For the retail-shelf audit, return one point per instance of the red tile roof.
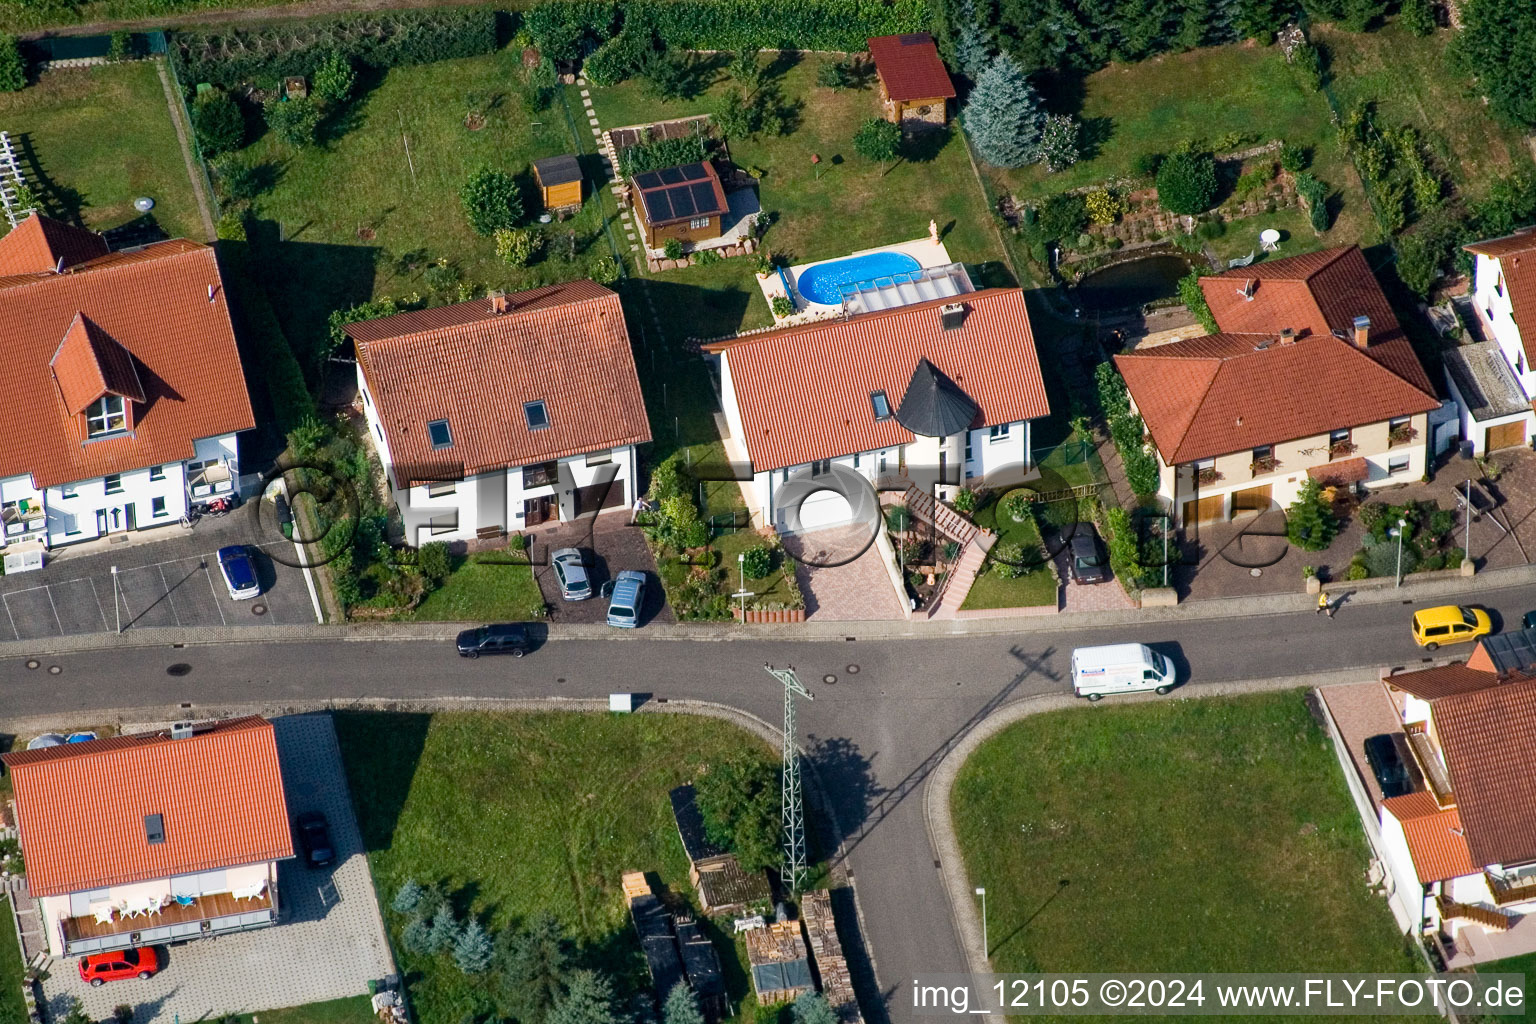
(1516, 254)
(910, 68)
(153, 304)
(1489, 740)
(1436, 841)
(37, 244)
(1209, 396)
(803, 392)
(565, 345)
(81, 806)
(1442, 681)
(90, 363)
(1344, 471)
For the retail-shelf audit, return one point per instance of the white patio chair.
(250, 892)
(104, 912)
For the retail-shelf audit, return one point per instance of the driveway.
(841, 575)
(328, 944)
(608, 545)
(168, 578)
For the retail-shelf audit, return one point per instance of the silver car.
(574, 584)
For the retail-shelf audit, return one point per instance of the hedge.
(569, 29)
(233, 56)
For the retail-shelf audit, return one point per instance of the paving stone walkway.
(858, 589)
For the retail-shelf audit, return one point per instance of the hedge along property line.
(231, 56)
(571, 29)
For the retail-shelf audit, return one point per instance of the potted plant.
(1339, 449)
(1267, 464)
(1208, 475)
(1402, 435)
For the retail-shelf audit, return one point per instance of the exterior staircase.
(973, 555)
(1492, 920)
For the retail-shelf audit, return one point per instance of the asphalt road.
(875, 734)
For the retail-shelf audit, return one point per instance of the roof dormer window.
(536, 415)
(881, 403)
(439, 434)
(106, 415)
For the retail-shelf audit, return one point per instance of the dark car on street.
(1087, 561)
(506, 638)
(1529, 622)
(1387, 764)
(315, 837)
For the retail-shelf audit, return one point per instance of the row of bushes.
(568, 30)
(1127, 430)
(235, 55)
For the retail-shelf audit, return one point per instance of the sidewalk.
(1447, 588)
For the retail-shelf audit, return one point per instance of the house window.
(157, 472)
(541, 474)
(68, 492)
(698, 222)
(1398, 421)
(821, 467)
(366, 400)
(114, 483)
(855, 460)
(881, 404)
(377, 432)
(970, 455)
(1520, 362)
(882, 462)
(1205, 464)
(444, 523)
(1397, 464)
(442, 488)
(1498, 284)
(1337, 436)
(105, 416)
(157, 507)
(1262, 452)
(439, 434)
(601, 458)
(536, 415)
(998, 433)
(154, 829)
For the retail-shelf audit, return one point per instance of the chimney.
(181, 730)
(951, 315)
(1288, 336)
(1362, 332)
(499, 303)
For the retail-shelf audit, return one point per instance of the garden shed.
(559, 179)
(914, 84)
(685, 202)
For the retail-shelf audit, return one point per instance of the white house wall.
(1498, 314)
(1399, 864)
(1476, 431)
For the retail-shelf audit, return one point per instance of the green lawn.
(1149, 107)
(819, 211)
(91, 140)
(1525, 965)
(483, 589)
(341, 215)
(1064, 465)
(11, 1005)
(1036, 587)
(1176, 835)
(356, 1010)
(1406, 77)
(521, 813)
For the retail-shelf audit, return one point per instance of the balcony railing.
(1511, 890)
(208, 915)
(1430, 765)
(1493, 920)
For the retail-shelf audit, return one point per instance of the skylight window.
(441, 436)
(881, 404)
(536, 415)
(154, 829)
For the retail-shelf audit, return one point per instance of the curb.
(897, 629)
(936, 798)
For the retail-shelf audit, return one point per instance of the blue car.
(628, 598)
(239, 572)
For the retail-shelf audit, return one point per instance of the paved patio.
(1362, 710)
(330, 939)
(841, 575)
(1219, 558)
(608, 544)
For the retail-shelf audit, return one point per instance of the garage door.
(821, 509)
(1252, 499)
(599, 496)
(1205, 510)
(1506, 435)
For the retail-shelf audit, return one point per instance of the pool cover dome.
(934, 405)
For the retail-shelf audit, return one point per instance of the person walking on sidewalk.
(1322, 603)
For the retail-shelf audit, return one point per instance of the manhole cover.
(829, 679)
(853, 670)
(54, 670)
(258, 609)
(33, 663)
(1255, 572)
(181, 668)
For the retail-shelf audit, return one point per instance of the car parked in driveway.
(1087, 563)
(315, 837)
(628, 599)
(1389, 766)
(575, 585)
(505, 638)
(142, 963)
(239, 572)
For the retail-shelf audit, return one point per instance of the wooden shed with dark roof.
(686, 202)
(914, 84)
(559, 179)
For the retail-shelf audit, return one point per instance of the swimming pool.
(823, 283)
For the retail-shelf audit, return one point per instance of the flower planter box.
(756, 615)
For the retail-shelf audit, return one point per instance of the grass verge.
(1192, 835)
(12, 1007)
(483, 589)
(356, 1010)
(1036, 587)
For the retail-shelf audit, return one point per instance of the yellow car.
(1449, 624)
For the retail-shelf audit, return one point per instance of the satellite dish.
(143, 204)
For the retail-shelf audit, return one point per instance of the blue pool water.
(823, 282)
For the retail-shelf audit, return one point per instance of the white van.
(1119, 668)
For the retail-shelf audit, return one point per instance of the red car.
(99, 968)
